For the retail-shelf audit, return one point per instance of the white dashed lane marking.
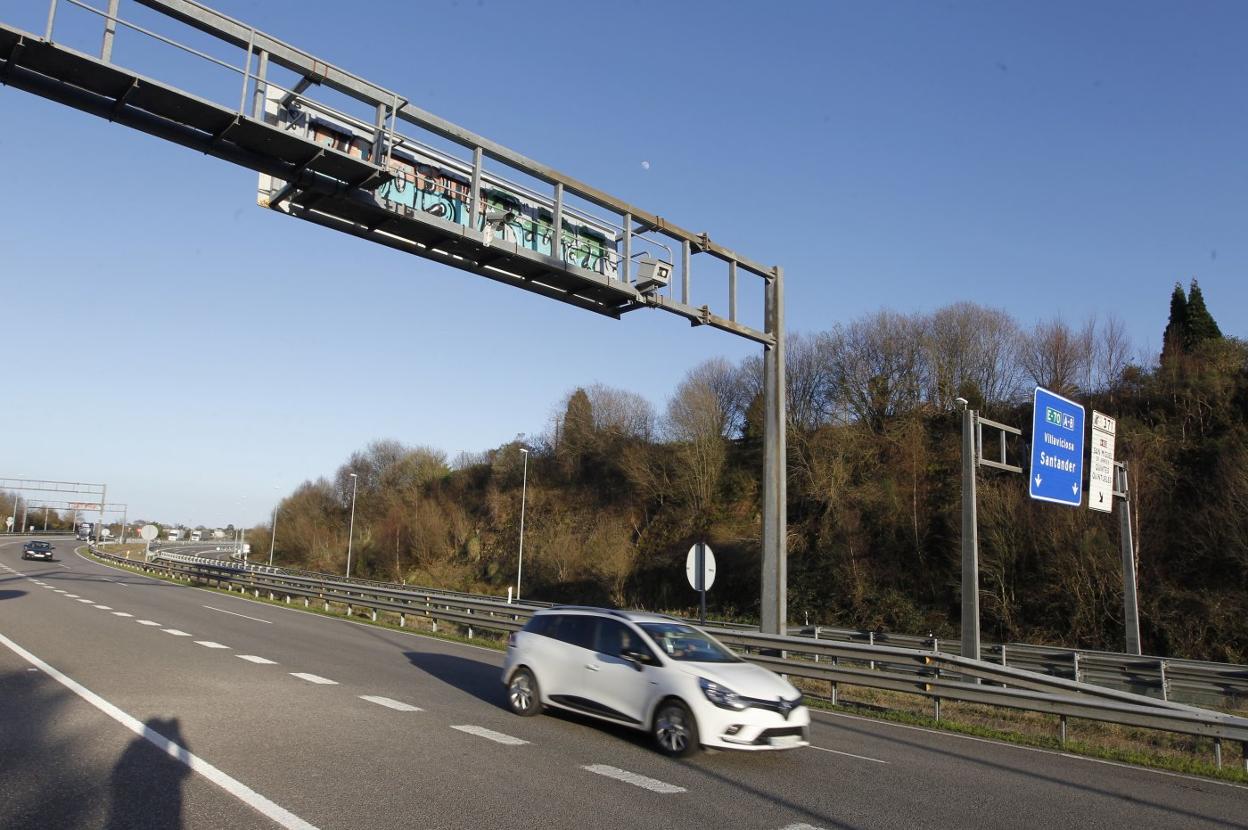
(175, 632)
(848, 755)
(58, 590)
(87, 600)
(70, 596)
(146, 622)
(314, 678)
(251, 658)
(390, 704)
(122, 614)
(209, 644)
(652, 784)
(104, 607)
(234, 614)
(482, 732)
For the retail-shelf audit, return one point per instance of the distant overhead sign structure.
(1056, 449)
(1101, 469)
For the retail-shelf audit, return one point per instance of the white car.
(653, 673)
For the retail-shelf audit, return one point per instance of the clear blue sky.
(204, 356)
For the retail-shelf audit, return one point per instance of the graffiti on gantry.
(418, 186)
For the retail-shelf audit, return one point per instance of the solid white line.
(175, 632)
(497, 737)
(652, 784)
(209, 644)
(314, 678)
(146, 622)
(122, 614)
(174, 750)
(251, 658)
(104, 607)
(848, 754)
(244, 616)
(390, 704)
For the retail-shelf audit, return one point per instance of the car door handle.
(592, 666)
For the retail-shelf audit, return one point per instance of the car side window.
(576, 629)
(543, 625)
(615, 638)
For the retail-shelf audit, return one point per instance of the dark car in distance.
(37, 550)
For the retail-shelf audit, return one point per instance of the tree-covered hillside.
(617, 492)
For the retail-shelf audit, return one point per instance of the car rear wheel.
(523, 696)
(675, 731)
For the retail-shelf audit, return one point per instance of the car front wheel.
(523, 696)
(675, 731)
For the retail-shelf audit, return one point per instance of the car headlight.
(721, 696)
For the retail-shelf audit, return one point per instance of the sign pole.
(1130, 602)
(970, 540)
(701, 583)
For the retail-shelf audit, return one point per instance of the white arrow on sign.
(1038, 480)
(1074, 488)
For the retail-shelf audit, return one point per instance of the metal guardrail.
(935, 675)
(1167, 679)
(1190, 681)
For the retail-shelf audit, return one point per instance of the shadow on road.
(146, 784)
(12, 594)
(476, 678)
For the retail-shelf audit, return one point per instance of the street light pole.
(355, 480)
(524, 485)
(273, 538)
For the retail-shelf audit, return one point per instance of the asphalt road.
(298, 720)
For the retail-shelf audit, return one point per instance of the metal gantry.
(20, 485)
(339, 188)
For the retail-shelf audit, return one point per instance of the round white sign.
(149, 532)
(708, 567)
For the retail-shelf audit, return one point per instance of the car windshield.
(684, 642)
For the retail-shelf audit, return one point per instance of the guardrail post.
(1074, 656)
(1217, 752)
(1165, 692)
(402, 620)
(1003, 654)
(374, 615)
(936, 700)
(1062, 731)
(816, 637)
(871, 641)
(1243, 751)
(435, 625)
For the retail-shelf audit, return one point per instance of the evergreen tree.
(1200, 323)
(1175, 336)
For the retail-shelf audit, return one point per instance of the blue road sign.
(1056, 449)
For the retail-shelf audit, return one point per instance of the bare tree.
(696, 423)
(621, 413)
(877, 364)
(1113, 352)
(971, 352)
(1057, 356)
(809, 381)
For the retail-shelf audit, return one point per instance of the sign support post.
(972, 458)
(1130, 601)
